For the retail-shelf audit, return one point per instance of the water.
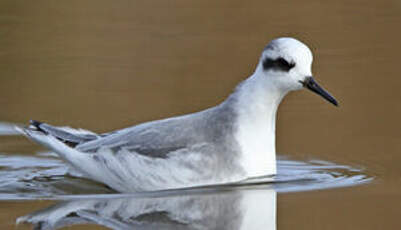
(43, 176)
(47, 177)
(102, 66)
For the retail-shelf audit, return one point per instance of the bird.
(228, 143)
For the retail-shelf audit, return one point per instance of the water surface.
(100, 65)
(250, 204)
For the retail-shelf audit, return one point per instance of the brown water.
(103, 65)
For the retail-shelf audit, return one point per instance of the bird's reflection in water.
(229, 209)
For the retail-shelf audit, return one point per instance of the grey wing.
(212, 129)
(186, 151)
(153, 139)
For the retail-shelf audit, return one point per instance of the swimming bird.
(230, 142)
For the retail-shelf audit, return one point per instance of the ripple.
(7, 129)
(229, 206)
(45, 176)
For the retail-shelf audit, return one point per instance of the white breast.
(257, 143)
(257, 106)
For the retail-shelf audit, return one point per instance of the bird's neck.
(256, 103)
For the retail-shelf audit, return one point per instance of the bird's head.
(287, 63)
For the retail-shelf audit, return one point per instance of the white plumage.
(227, 143)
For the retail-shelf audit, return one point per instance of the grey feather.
(159, 138)
(66, 134)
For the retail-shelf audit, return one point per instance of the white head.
(287, 64)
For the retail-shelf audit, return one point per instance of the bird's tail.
(62, 140)
(67, 135)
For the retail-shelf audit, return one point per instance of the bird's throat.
(257, 103)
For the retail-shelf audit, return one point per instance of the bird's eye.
(279, 64)
(284, 64)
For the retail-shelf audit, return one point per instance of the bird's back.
(213, 126)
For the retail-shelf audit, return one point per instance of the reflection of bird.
(229, 142)
(231, 210)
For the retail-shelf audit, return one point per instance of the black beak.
(311, 84)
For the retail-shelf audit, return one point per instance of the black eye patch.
(279, 64)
